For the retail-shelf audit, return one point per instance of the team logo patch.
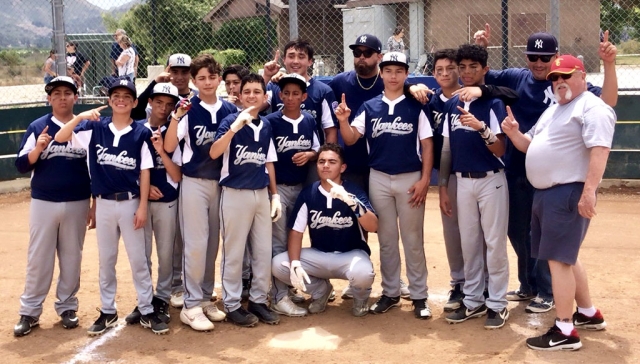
(334, 105)
(538, 43)
(337, 221)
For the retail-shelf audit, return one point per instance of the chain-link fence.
(248, 32)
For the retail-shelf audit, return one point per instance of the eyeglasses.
(565, 76)
(68, 45)
(536, 57)
(359, 52)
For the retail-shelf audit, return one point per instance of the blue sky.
(106, 4)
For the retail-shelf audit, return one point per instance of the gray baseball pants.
(161, 223)
(178, 248)
(200, 226)
(354, 266)
(288, 197)
(112, 219)
(483, 216)
(54, 227)
(390, 199)
(451, 232)
(245, 217)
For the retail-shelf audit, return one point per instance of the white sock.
(565, 327)
(589, 312)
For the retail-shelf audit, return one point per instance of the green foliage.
(258, 42)
(10, 58)
(227, 57)
(621, 21)
(631, 46)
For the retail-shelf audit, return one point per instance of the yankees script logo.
(284, 144)
(119, 161)
(456, 124)
(336, 221)
(203, 136)
(313, 113)
(437, 119)
(396, 127)
(159, 163)
(243, 156)
(63, 150)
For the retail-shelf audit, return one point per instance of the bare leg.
(563, 284)
(583, 297)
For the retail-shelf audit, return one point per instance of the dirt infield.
(610, 254)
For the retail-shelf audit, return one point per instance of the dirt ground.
(609, 254)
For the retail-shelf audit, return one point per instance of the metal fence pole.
(554, 11)
(57, 7)
(505, 34)
(293, 19)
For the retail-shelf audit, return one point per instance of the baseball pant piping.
(161, 223)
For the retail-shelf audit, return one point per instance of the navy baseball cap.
(369, 41)
(394, 59)
(61, 81)
(293, 78)
(542, 44)
(124, 83)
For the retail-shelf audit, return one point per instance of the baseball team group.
(519, 154)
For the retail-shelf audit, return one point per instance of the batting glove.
(338, 192)
(243, 119)
(298, 276)
(181, 109)
(276, 208)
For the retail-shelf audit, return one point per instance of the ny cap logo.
(363, 39)
(124, 83)
(180, 60)
(538, 43)
(166, 89)
(393, 57)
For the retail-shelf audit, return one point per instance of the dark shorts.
(557, 229)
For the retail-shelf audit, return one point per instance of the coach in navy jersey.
(162, 219)
(536, 96)
(245, 142)
(60, 191)
(199, 199)
(336, 212)
(398, 135)
(298, 57)
(119, 162)
(472, 130)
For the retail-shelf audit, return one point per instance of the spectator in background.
(48, 67)
(126, 60)
(395, 43)
(77, 61)
(116, 49)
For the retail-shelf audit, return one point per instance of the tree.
(621, 18)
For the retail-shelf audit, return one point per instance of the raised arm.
(607, 52)
(66, 132)
(349, 134)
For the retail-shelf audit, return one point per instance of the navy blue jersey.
(333, 226)
(436, 104)
(393, 130)
(198, 130)
(159, 176)
(116, 157)
(244, 160)
(60, 173)
(469, 152)
(290, 137)
(535, 97)
(320, 103)
(348, 83)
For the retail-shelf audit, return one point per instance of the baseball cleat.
(463, 314)
(212, 312)
(134, 317)
(161, 308)
(496, 319)
(296, 297)
(177, 299)
(360, 307)
(404, 290)
(23, 327)
(347, 293)
(242, 318)
(596, 322)
(455, 298)
(554, 340)
(384, 304)
(320, 304)
(246, 286)
(540, 305)
(69, 319)
(153, 322)
(104, 321)
(421, 310)
(263, 313)
(286, 307)
(518, 295)
(195, 318)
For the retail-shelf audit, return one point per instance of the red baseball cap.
(566, 64)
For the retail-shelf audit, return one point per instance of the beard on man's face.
(363, 69)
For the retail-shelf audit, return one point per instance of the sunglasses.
(359, 52)
(536, 57)
(555, 77)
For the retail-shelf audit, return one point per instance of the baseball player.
(579, 128)
(195, 122)
(472, 147)
(445, 69)
(536, 95)
(298, 57)
(245, 142)
(60, 191)
(398, 135)
(119, 162)
(162, 218)
(336, 212)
